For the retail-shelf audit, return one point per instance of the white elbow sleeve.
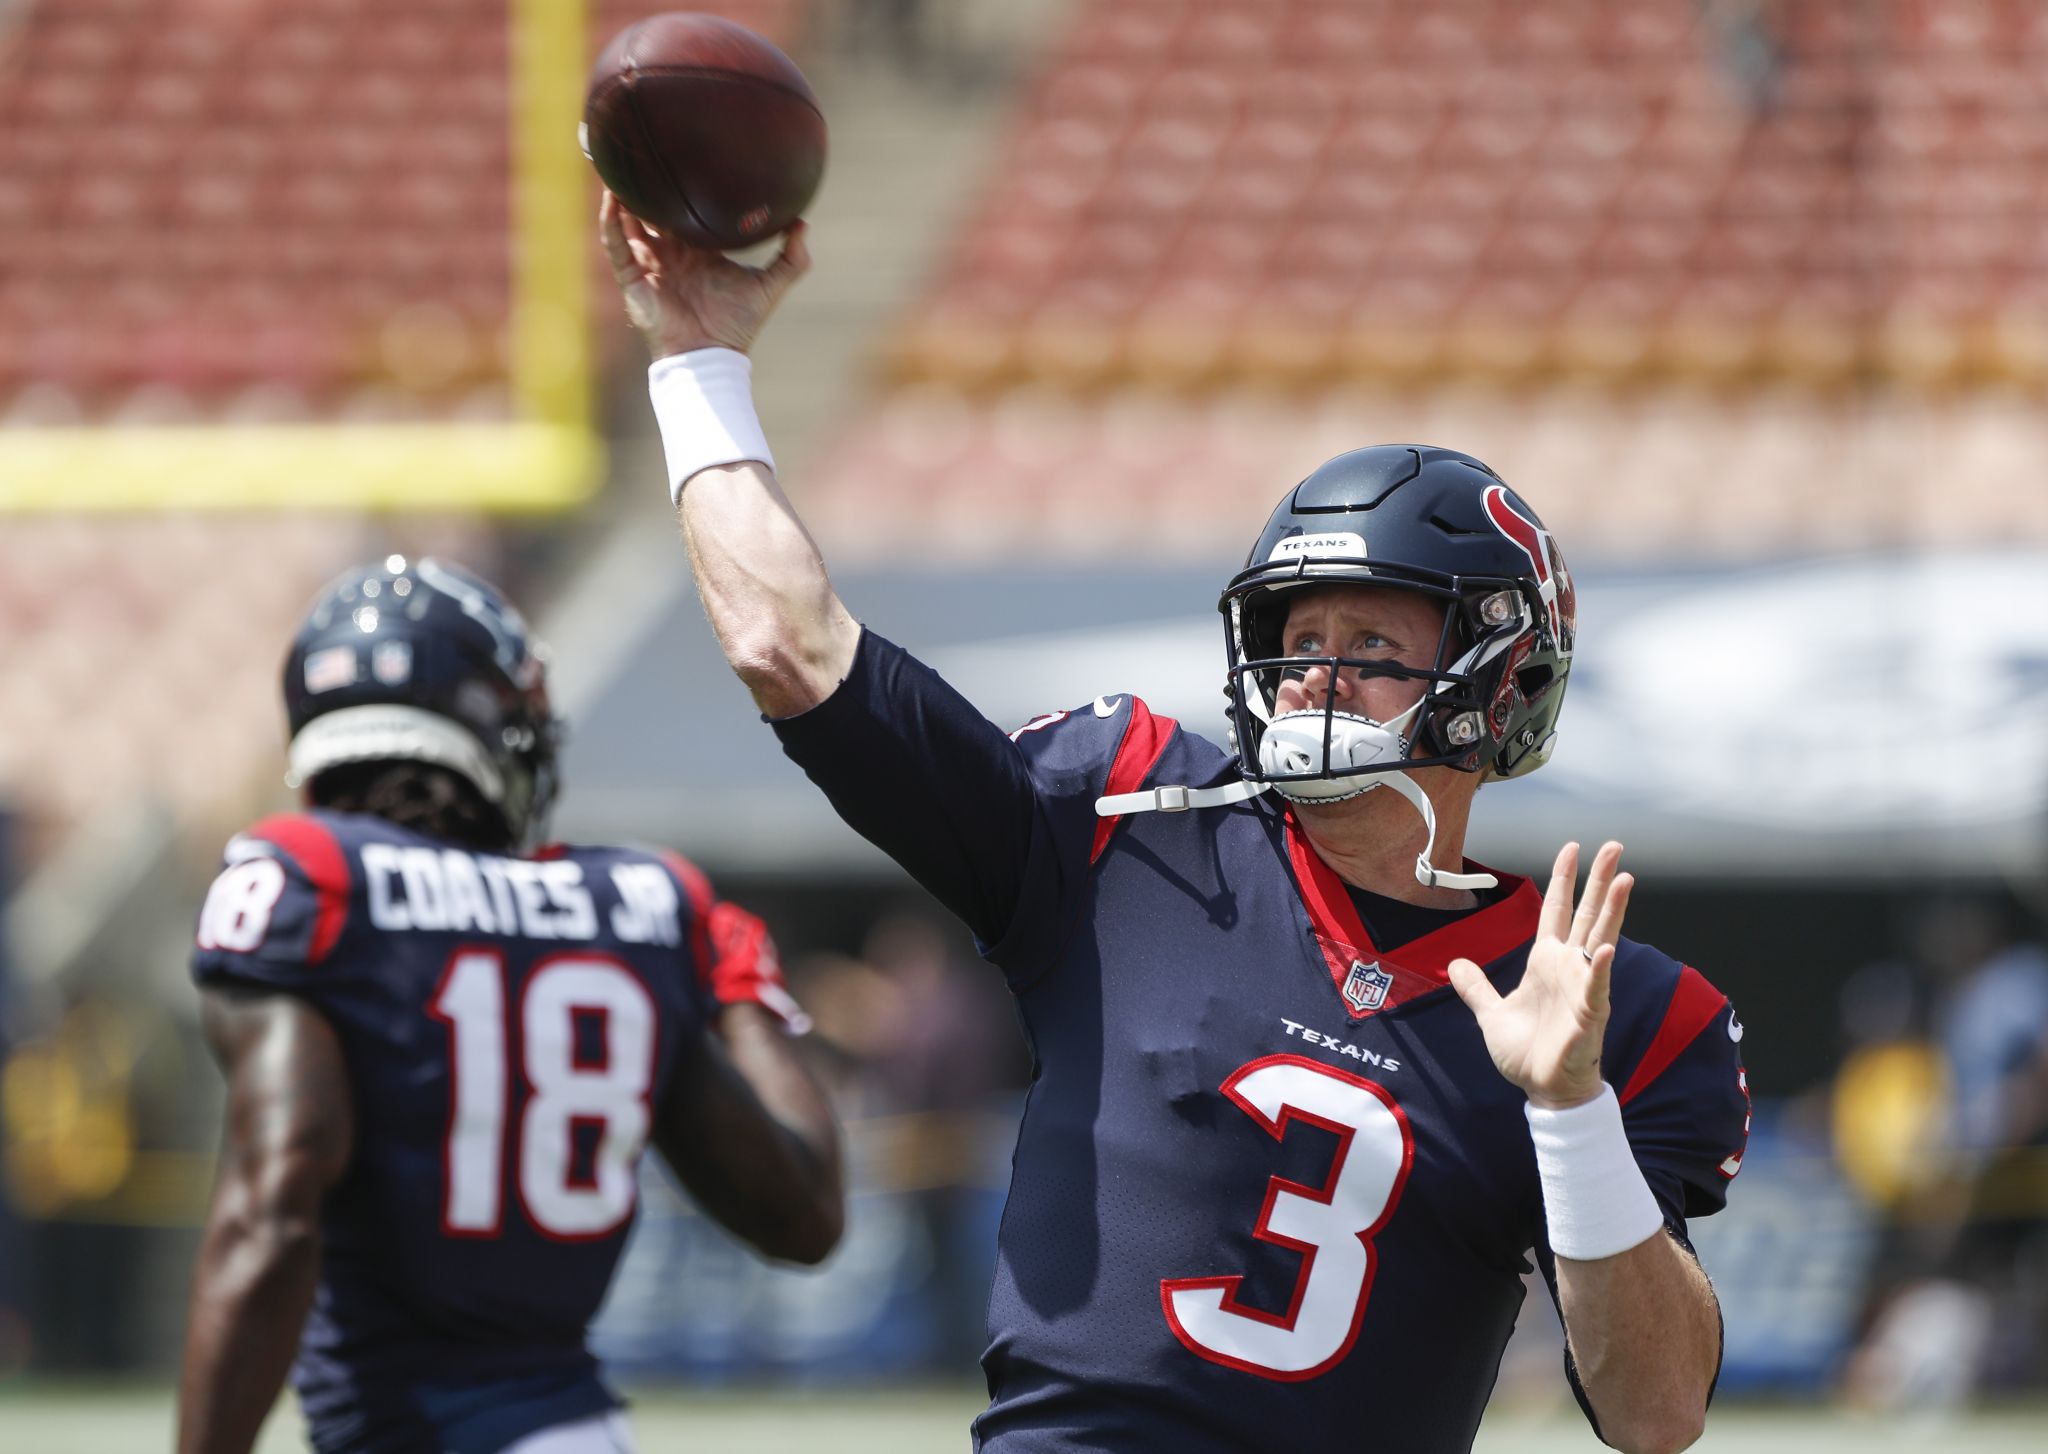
(1595, 1201)
(704, 403)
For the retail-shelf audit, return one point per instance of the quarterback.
(446, 1050)
(1312, 1090)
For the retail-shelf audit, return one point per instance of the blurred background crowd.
(1748, 297)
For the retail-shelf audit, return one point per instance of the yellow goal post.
(546, 457)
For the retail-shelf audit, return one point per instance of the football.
(704, 130)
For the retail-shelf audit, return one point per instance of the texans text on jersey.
(1342, 1047)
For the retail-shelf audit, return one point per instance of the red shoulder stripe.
(319, 856)
(1694, 1004)
(1145, 739)
(698, 888)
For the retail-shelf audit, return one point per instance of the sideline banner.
(1807, 718)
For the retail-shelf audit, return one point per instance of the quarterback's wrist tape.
(704, 403)
(1595, 1201)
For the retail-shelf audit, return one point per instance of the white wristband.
(1595, 1200)
(704, 403)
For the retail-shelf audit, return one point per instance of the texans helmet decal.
(1560, 599)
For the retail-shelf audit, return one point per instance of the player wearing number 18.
(446, 1050)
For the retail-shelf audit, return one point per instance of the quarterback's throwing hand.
(682, 297)
(1545, 1036)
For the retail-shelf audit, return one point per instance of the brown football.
(704, 129)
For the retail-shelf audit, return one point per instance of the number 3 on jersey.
(1332, 1226)
(565, 1092)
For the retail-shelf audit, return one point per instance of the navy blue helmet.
(1435, 522)
(421, 661)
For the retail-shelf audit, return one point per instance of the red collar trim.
(1421, 965)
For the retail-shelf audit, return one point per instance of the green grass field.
(115, 1420)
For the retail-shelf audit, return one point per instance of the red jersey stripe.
(1694, 1004)
(320, 858)
(1145, 739)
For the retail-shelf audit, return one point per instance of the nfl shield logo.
(1365, 988)
(391, 662)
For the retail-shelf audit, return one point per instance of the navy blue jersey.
(509, 1024)
(1268, 1177)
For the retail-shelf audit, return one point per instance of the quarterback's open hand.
(1546, 1035)
(682, 297)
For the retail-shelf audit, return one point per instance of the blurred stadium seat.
(220, 200)
(1606, 158)
(1697, 214)
(1657, 475)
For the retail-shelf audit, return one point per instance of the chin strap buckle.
(1176, 798)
